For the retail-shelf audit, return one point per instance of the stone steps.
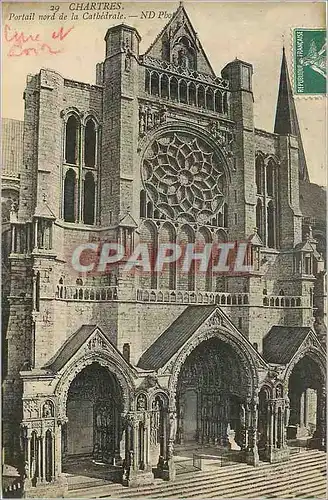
(257, 487)
(238, 473)
(302, 475)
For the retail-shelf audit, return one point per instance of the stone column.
(28, 468)
(302, 409)
(252, 455)
(39, 446)
(53, 459)
(271, 439)
(147, 441)
(171, 471)
(322, 416)
(135, 476)
(57, 456)
(43, 446)
(13, 237)
(268, 426)
(36, 233)
(244, 410)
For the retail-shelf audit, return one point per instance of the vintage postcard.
(164, 249)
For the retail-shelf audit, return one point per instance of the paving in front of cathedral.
(303, 476)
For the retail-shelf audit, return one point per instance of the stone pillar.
(28, 468)
(13, 237)
(322, 408)
(171, 470)
(278, 415)
(271, 426)
(147, 441)
(243, 429)
(36, 467)
(43, 445)
(57, 455)
(39, 446)
(36, 233)
(53, 455)
(135, 475)
(27, 473)
(252, 455)
(302, 409)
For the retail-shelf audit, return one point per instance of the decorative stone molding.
(223, 136)
(104, 359)
(206, 333)
(151, 117)
(159, 64)
(72, 110)
(31, 409)
(96, 343)
(311, 348)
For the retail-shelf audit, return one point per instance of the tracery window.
(270, 174)
(72, 140)
(183, 92)
(259, 175)
(183, 178)
(271, 229)
(90, 144)
(266, 178)
(166, 50)
(259, 218)
(80, 176)
(69, 196)
(142, 203)
(89, 199)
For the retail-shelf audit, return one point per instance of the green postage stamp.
(310, 70)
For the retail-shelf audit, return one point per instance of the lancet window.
(80, 169)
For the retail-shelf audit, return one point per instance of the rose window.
(183, 178)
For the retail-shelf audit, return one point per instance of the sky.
(254, 32)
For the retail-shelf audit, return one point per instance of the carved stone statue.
(48, 409)
(141, 402)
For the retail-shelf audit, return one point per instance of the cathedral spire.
(286, 117)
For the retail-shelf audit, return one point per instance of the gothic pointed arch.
(69, 207)
(185, 237)
(271, 173)
(259, 218)
(149, 237)
(167, 276)
(89, 199)
(143, 203)
(259, 173)
(72, 138)
(204, 277)
(90, 143)
(271, 225)
(103, 358)
(313, 351)
(245, 355)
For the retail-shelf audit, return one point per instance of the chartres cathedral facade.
(126, 368)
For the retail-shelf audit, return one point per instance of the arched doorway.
(212, 395)
(307, 402)
(94, 429)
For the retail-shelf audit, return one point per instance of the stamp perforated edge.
(291, 51)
